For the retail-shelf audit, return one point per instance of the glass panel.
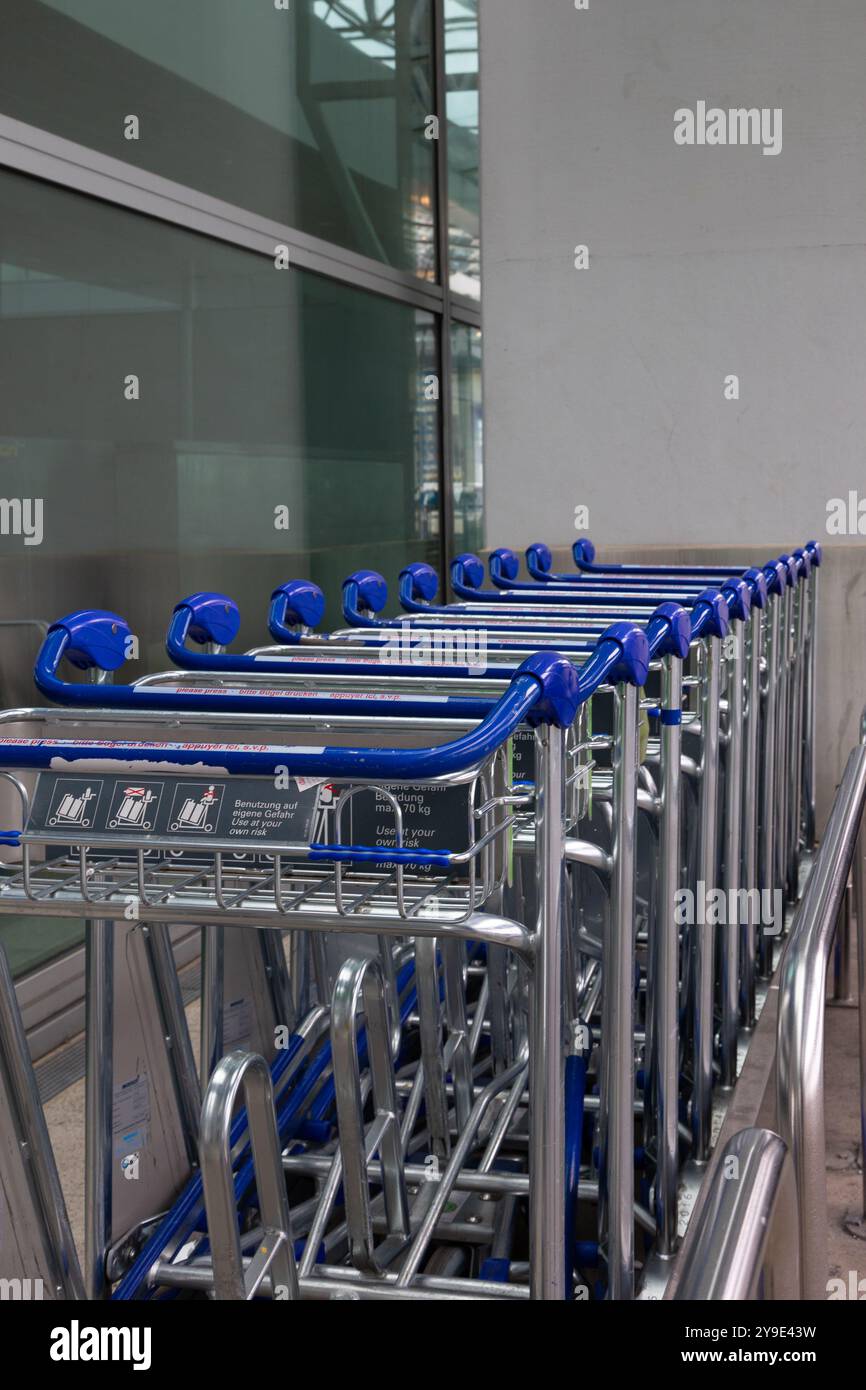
(185, 417)
(464, 201)
(313, 114)
(468, 438)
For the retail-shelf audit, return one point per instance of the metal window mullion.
(41, 154)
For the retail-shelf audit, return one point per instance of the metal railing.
(745, 1245)
(800, 1028)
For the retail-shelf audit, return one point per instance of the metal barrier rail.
(800, 1029)
(745, 1245)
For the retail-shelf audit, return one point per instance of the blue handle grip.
(670, 631)
(365, 594)
(710, 615)
(738, 597)
(207, 619)
(295, 607)
(539, 561)
(419, 585)
(504, 566)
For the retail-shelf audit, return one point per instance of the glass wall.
(467, 458)
(313, 115)
(462, 106)
(191, 417)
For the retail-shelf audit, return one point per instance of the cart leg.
(212, 1001)
(98, 1103)
(768, 880)
(704, 932)
(750, 819)
(665, 970)
(547, 1045)
(730, 945)
(616, 1129)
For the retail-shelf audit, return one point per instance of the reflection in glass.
(464, 203)
(468, 438)
(313, 115)
(259, 394)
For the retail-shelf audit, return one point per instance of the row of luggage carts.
(488, 896)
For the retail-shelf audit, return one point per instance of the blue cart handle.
(208, 619)
(96, 640)
(467, 577)
(296, 608)
(365, 594)
(547, 689)
(539, 563)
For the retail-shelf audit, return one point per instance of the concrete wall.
(605, 387)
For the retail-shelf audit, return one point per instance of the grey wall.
(604, 387)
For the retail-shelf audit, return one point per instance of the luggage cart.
(548, 689)
(417, 598)
(302, 657)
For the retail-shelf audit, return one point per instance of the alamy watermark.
(711, 125)
(21, 1290)
(718, 907)
(439, 647)
(22, 516)
(846, 516)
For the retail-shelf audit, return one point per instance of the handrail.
(800, 1027)
(745, 1245)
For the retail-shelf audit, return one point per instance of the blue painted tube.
(64, 692)
(390, 764)
(546, 689)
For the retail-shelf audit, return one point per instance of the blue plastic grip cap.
(95, 638)
(302, 602)
(468, 571)
(710, 614)
(504, 564)
(757, 582)
(738, 597)
(213, 618)
(775, 574)
(804, 562)
(583, 551)
(790, 566)
(420, 582)
(539, 557)
(560, 683)
(816, 550)
(370, 588)
(670, 631)
(633, 666)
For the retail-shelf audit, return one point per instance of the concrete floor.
(846, 1253)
